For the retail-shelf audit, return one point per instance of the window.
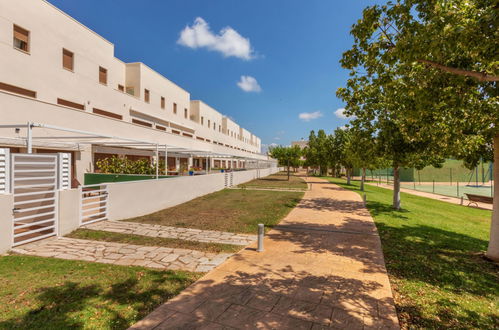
(146, 95)
(130, 90)
(17, 90)
(103, 75)
(219, 128)
(209, 123)
(140, 122)
(161, 128)
(162, 102)
(214, 126)
(67, 59)
(202, 120)
(71, 104)
(175, 108)
(21, 38)
(185, 113)
(121, 88)
(175, 132)
(107, 113)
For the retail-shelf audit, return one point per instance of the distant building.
(302, 143)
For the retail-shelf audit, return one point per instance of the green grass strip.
(106, 236)
(434, 257)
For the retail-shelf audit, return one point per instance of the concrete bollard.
(364, 198)
(261, 232)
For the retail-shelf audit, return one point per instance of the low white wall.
(137, 198)
(132, 199)
(69, 211)
(6, 206)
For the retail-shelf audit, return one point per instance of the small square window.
(21, 38)
(121, 88)
(146, 95)
(103, 75)
(67, 59)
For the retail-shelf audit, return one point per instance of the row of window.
(21, 41)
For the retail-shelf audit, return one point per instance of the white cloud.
(249, 84)
(228, 41)
(308, 116)
(340, 113)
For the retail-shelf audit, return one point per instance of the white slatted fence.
(34, 186)
(93, 203)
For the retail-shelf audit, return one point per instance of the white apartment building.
(56, 71)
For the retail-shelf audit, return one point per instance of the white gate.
(93, 203)
(229, 179)
(34, 181)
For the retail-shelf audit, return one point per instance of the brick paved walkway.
(322, 268)
(123, 254)
(207, 236)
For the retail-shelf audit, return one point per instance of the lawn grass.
(237, 211)
(277, 180)
(434, 257)
(106, 236)
(46, 293)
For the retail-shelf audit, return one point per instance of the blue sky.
(291, 49)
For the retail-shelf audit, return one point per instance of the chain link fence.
(453, 179)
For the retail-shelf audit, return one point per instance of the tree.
(287, 156)
(362, 152)
(435, 67)
(317, 151)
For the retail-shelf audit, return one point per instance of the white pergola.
(92, 138)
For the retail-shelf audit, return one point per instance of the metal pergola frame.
(121, 142)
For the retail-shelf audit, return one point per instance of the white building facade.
(56, 71)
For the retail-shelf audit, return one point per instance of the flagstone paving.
(123, 254)
(145, 229)
(322, 267)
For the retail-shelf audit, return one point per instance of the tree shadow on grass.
(68, 306)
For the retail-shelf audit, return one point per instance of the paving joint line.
(323, 230)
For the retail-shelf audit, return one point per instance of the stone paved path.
(123, 254)
(207, 236)
(322, 268)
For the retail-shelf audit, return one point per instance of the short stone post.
(261, 232)
(364, 198)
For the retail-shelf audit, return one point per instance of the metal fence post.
(261, 232)
(433, 185)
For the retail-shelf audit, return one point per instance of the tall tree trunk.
(363, 179)
(396, 188)
(348, 175)
(288, 170)
(493, 250)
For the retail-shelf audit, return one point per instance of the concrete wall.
(132, 199)
(6, 206)
(69, 211)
